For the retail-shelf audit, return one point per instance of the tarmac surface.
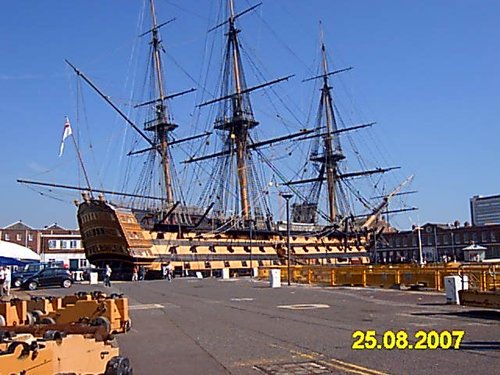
(242, 326)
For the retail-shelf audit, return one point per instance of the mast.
(235, 179)
(332, 152)
(330, 159)
(326, 155)
(235, 116)
(239, 125)
(161, 125)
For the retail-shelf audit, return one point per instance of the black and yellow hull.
(114, 236)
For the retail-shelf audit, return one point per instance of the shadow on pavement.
(475, 314)
(480, 345)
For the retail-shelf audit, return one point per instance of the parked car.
(29, 270)
(48, 277)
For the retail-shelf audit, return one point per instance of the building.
(437, 241)
(62, 245)
(485, 210)
(54, 243)
(21, 234)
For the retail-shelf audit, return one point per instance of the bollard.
(275, 278)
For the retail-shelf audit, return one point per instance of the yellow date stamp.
(401, 340)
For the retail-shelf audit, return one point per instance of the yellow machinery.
(43, 305)
(94, 309)
(89, 308)
(56, 352)
(15, 312)
(74, 337)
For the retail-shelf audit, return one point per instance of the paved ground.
(215, 326)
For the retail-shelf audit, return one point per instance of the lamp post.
(287, 197)
(250, 227)
(453, 245)
(420, 256)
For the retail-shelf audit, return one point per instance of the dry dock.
(214, 326)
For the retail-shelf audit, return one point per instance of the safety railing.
(481, 277)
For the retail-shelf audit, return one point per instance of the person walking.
(142, 273)
(169, 271)
(107, 276)
(135, 273)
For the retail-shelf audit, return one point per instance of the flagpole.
(80, 160)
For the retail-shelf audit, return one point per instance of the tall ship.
(233, 224)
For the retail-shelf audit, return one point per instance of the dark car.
(49, 277)
(29, 270)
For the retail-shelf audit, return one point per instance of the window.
(73, 244)
(30, 237)
(49, 272)
(440, 239)
(493, 237)
(84, 263)
(484, 237)
(64, 244)
(33, 268)
(52, 244)
(19, 237)
(446, 239)
(6, 237)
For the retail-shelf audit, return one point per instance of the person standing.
(6, 280)
(107, 276)
(2, 280)
(135, 273)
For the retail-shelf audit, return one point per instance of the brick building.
(437, 240)
(21, 234)
(54, 243)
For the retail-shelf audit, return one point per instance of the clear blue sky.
(427, 71)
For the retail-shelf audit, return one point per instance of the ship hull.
(113, 235)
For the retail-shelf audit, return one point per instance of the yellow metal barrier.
(481, 277)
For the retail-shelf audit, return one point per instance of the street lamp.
(418, 228)
(287, 197)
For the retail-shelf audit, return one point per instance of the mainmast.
(235, 179)
(161, 124)
(241, 117)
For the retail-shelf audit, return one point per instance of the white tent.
(474, 247)
(474, 253)
(9, 250)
